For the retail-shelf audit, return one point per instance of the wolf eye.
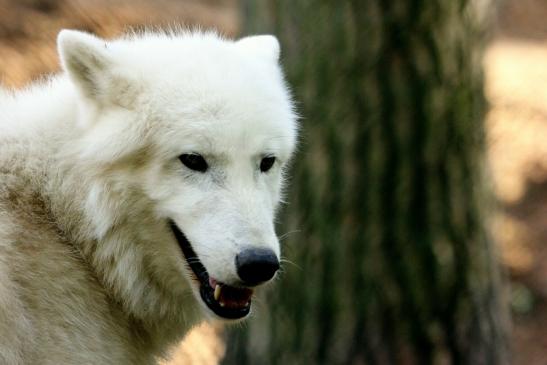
(267, 163)
(194, 162)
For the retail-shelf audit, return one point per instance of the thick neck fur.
(105, 230)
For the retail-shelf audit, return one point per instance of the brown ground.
(28, 28)
(516, 86)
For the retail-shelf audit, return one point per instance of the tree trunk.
(393, 263)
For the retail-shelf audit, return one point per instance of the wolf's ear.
(87, 62)
(265, 46)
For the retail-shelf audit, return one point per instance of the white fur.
(89, 176)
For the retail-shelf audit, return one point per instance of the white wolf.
(137, 194)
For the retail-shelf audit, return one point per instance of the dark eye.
(194, 162)
(267, 163)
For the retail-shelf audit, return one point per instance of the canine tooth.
(217, 291)
(221, 304)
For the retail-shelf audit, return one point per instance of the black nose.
(256, 265)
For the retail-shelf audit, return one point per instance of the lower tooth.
(222, 304)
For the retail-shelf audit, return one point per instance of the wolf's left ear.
(87, 62)
(265, 46)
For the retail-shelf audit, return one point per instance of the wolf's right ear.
(86, 60)
(265, 46)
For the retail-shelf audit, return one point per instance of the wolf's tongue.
(229, 296)
(235, 297)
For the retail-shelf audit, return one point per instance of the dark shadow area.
(531, 212)
(529, 289)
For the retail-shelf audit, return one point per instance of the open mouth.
(224, 300)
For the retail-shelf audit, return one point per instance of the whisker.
(285, 235)
(283, 260)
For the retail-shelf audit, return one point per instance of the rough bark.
(393, 261)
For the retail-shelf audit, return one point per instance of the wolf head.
(183, 140)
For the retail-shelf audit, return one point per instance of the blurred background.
(416, 228)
